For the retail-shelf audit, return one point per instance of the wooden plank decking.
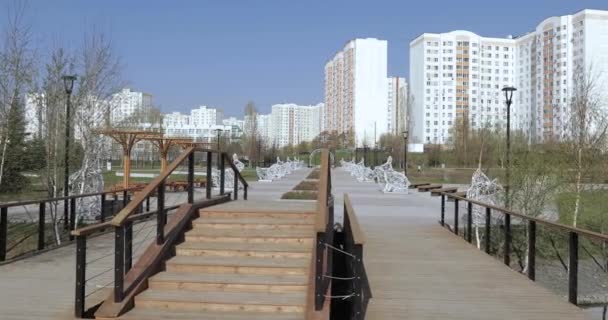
(417, 270)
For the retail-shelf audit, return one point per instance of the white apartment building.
(460, 73)
(200, 125)
(292, 124)
(397, 105)
(232, 121)
(263, 122)
(356, 90)
(125, 103)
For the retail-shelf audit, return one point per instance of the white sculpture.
(394, 181)
(228, 174)
(278, 170)
(486, 190)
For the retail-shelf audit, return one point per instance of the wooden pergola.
(127, 139)
(164, 144)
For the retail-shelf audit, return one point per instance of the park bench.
(438, 192)
(416, 185)
(428, 187)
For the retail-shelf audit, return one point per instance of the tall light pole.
(509, 100)
(405, 136)
(68, 84)
(219, 155)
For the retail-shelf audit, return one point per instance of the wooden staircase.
(234, 265)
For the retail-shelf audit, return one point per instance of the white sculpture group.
(393, 181)
(486, 190)
(279, 169)
(228, 174)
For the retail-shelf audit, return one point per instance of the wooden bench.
(429, 187)
(460, 194)
(416, 185)
(437, 192)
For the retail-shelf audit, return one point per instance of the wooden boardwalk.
(417, 269)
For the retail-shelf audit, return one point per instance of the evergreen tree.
(15, 151)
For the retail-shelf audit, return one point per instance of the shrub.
(310, 185)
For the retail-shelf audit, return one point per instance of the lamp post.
(509, 100)
(219, 156)
(68, 84)
(405, 136)
(365, 160)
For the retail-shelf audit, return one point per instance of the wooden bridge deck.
(417, 270)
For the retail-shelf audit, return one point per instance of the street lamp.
(68, 84)
(219, 156)
(509, 100)
(405, 136)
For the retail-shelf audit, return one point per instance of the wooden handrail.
(358, 236)
(321, 220)
(234, 168)
(591, 234)
(76, 196)
(120, 218)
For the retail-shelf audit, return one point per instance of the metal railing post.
(455, 216)
(245, 192)
(66, 218)
(236, 184)
(573, 268)
(160, 213)
(147, 203)
(357, 306)
(125, 198)
(191, 177)
(507, 244)
(469, 222)
(41, 225)
(72, 216)
(209, 177)
(128, 246)
(532, 250)
(3, 232)
(442, 209)
(222, 174)
(102, 213)
(488, 230)
(319, 294)
(119, 262)
(81, 263)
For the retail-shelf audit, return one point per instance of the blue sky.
(225, 53)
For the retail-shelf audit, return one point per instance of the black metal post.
(507, 244)
(455, 216)
(209, 178)
(236, 185)
(160, 213)
(191, 178)
(357, 306)
(119, 262)
(114, 200)
(125, 198)
(532, 250)
(66, 159)
(222, 175)
(405, 154)
(442, 209)
(245, 192)
(573, 268)
(41, 225)
(147, 203)
(81, 263)
(469, 222)
(102, 213)
(319, 294)
(128, 246)
(72, 216)
(3, 232)
(488, 230)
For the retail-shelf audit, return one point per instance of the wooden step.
(205, 213)
(229, 282)
(237, 249)
(438, 192)
(255, 223)
(285, 302)
(153, 314)
(253, 233)
(239, 265)
(428, 187)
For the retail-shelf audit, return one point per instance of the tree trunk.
(577, 201)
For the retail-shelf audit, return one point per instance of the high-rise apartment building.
(126, 103)
(356, 91)
(397, 105)
(292, 124)
(200, 125)
(461, 74)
